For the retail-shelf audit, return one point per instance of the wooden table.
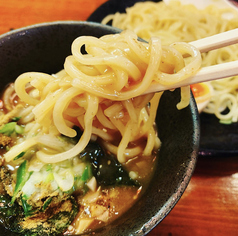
(209, 205)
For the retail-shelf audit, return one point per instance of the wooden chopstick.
(209, 73)
(216, 41)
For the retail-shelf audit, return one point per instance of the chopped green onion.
(19, 156)
(8, 128)
(87, 174)
(11, 127)
(16, 118)
(22, 176)
(27, 208)
(225, 122)
(48, 167)
(46, 203)
(49, 178)
(19, 129)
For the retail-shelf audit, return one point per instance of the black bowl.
(43, 48)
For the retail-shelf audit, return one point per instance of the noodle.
(185, 23)
(101, 92)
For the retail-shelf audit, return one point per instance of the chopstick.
(216, 41)
(209, 73)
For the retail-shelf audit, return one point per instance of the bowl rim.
(59, 22)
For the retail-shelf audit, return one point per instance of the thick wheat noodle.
(101, 93)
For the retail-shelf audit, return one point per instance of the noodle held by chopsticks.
(101, 92)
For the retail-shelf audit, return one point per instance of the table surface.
(209, 206)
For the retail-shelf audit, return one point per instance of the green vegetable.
(10, 128)
(47, 203)
(48, 167)
(19, 129)
(22, 176)
(50, 177)
(17, 118)
(87, 174)
(28, 209)
(19, 156)
(225, 122)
